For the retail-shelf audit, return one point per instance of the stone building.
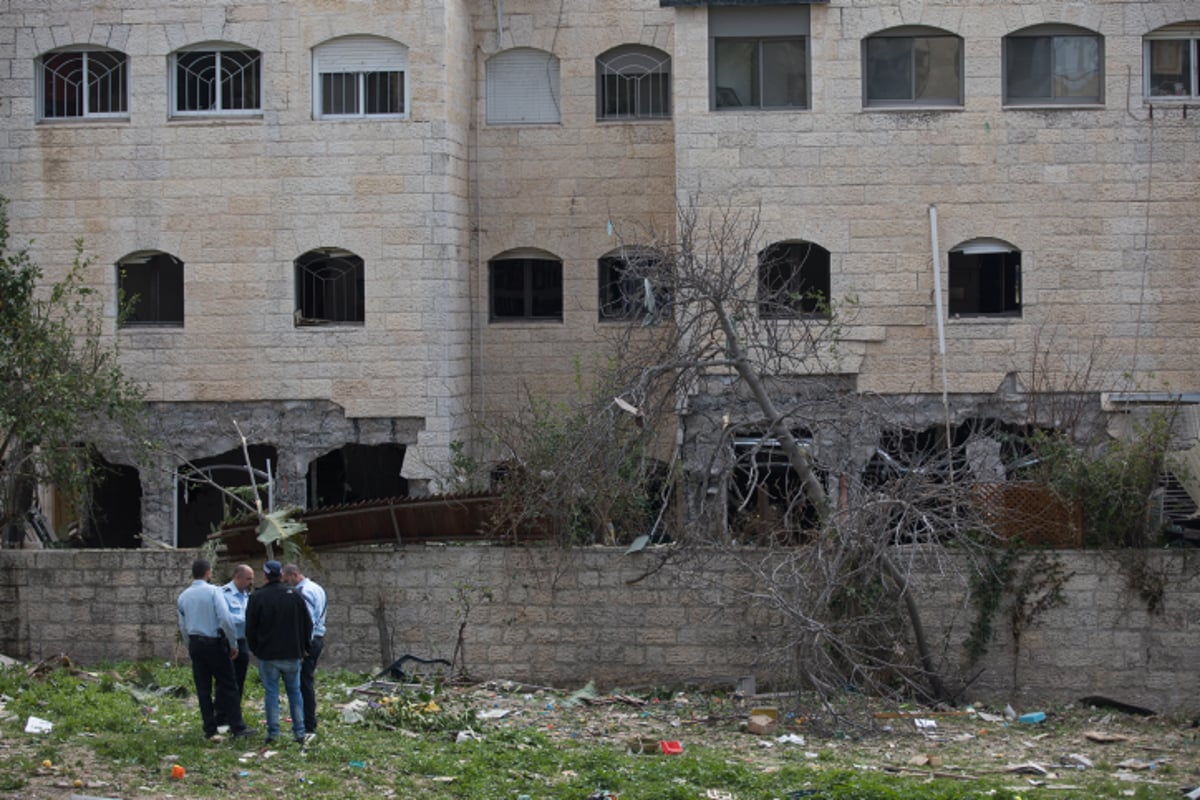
(355, 226)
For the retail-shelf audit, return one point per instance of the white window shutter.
(522, 87)
(361, 54)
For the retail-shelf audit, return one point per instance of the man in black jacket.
(278, 629)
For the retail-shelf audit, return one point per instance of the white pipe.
(937, 297)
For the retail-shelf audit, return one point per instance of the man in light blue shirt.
(208, 629)
(314, 598)
(237, 595)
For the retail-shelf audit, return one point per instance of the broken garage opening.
(357, 472)
(201, 506)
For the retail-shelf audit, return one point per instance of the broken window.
(216, 80)
(113, 516)
(79, 83)
(357, 472)
(631, 284)
(633, 82)
(766, 500)
(985, 279)
(526, 285)
(201, 506)
(360, 76)
(793, 279)
(330, 287)
(151, 287)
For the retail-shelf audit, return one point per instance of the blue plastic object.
(1032, 717)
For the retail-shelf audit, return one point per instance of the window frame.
(980, 255)
(83, 91)
(764, 28)
(772, 285)
(529, 291)
(360, 56)
(625, 70)
(911, 34)
(1187, 33)
(1052, 33)
(618, 305)
(351, 269)
(219, 52)
(155, 306)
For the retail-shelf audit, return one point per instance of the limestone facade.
(1099, 197)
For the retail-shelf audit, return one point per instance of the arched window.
(329, 287)
(633, 82)
(216, 78)
(360, 76)
(522, 87)
(83, 82)
(1170, 57)
(526, 284)
(1053, 64)
(985, 279)
(150, 284)
(913, 66)
(793, 279)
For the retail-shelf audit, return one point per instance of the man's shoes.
(244, 733)
(215, 738)
(270, 741)
(306, 739)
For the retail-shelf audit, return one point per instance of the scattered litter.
(718, 794)
(1194, 794)
(494, 713)
(1104, 738)
(1009, 713)
(1033, 717)
(925, 724)
(670, 748)
(1076, 760)
(467, 736)
(643, 745)
(790, 738)
(38, 725)
(358, 764)
(992, 718)
(178, 772)
(1028, 768)
(1137, 764)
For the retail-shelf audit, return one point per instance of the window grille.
(218, 81)
(83, 83)
(329, 288)
(360, 76)
(633, 82)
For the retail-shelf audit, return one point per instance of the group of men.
(282, 623)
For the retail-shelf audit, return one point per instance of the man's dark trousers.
(307, 691)
(211, 664)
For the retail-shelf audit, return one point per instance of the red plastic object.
(671, 748)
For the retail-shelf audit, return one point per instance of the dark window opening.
(201, 507)
(985, 280)
(151, 288)
(793, 280)
(761, 73)
(633, 82)
(357, 472)
(632, 286)
(766, 501)
(330, 288)
(526, 288)
(113, 518)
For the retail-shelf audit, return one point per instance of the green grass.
(118, 745)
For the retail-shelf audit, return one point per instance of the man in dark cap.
(278, 630)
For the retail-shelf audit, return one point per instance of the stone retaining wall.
(562, 618)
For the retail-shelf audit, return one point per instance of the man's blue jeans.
(269, 672)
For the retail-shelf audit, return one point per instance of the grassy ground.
(119, 732)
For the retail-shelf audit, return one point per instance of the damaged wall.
(565, 617)
(299, 430)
